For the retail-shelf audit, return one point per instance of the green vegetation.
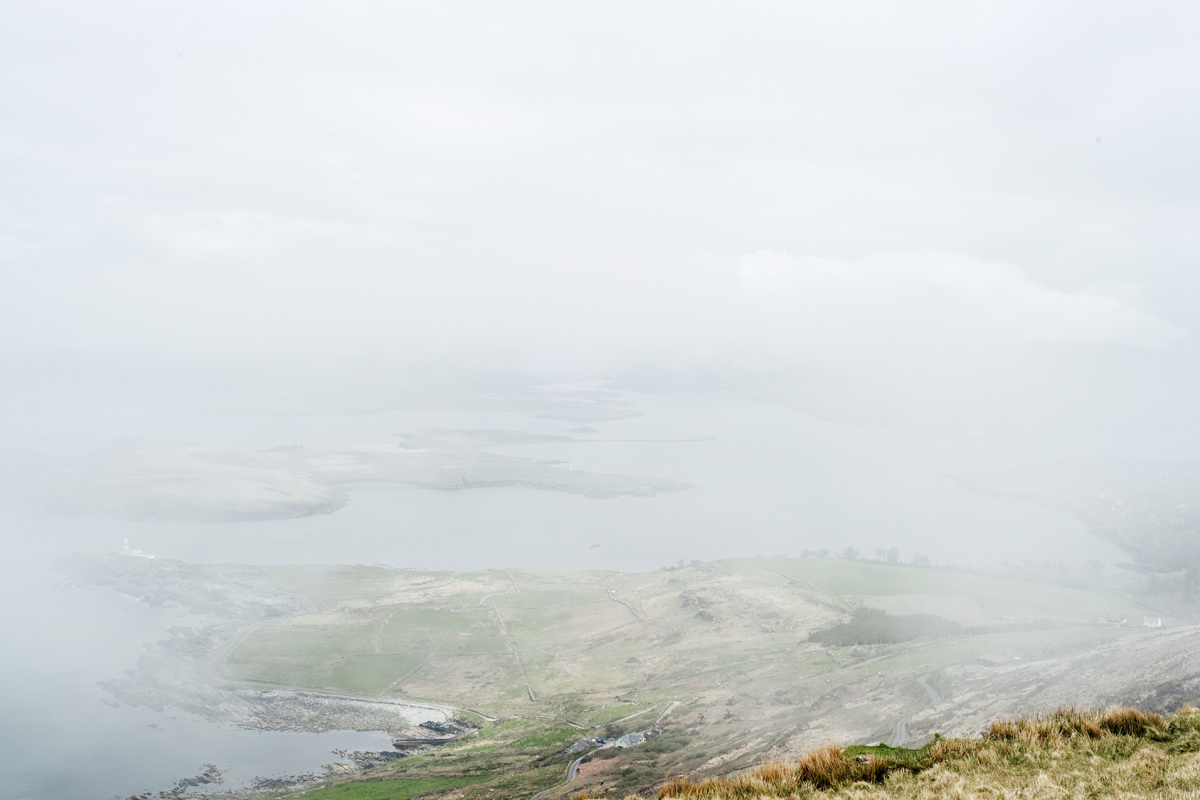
(871, 626)
(391, 790)
(604, 716)
(865, 579)
(667, 743)
(913, 759)
(509, 758)
(373, 674)
(560, 736)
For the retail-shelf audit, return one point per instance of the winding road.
(901, 736)
(933, 694)
(573, 770)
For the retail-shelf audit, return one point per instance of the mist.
(465, 287)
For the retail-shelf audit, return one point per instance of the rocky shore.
(181, 790)
(413, 740)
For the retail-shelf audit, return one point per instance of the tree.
(851, 554)
(919, 559)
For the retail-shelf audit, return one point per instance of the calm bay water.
(64, 738)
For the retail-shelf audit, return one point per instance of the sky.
(857, 188)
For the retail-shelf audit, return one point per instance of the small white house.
(1152, 622)
(630, 739)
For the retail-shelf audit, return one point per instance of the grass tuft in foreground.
(1067, 723)
(1120, 752)
(823, 768)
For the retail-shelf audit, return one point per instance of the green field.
(392, 790)
(860, 579)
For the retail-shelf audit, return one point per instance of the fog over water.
(767, 479)
(826, 264)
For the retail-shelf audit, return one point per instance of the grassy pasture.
(304, 640)
(419, 629)
(857, 578)
(548, 595)
(300, 671)
(564, 625)
(477, 681)
(393, 790)
(604, 716)
(328, 586)
(373, 674)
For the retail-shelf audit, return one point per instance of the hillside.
(1118, 753)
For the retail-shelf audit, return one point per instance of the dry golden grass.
(1120, 752)
(1068, 723)
(823, 768)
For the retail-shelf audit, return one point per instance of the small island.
(293, 481)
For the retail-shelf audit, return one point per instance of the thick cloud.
(557, 184)
(878, 305)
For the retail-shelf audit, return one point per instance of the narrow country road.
(933, 694)
(901, 736)
(901, 733)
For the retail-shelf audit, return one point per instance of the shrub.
(1068, 723)
(872, 626)
(1131, 722)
